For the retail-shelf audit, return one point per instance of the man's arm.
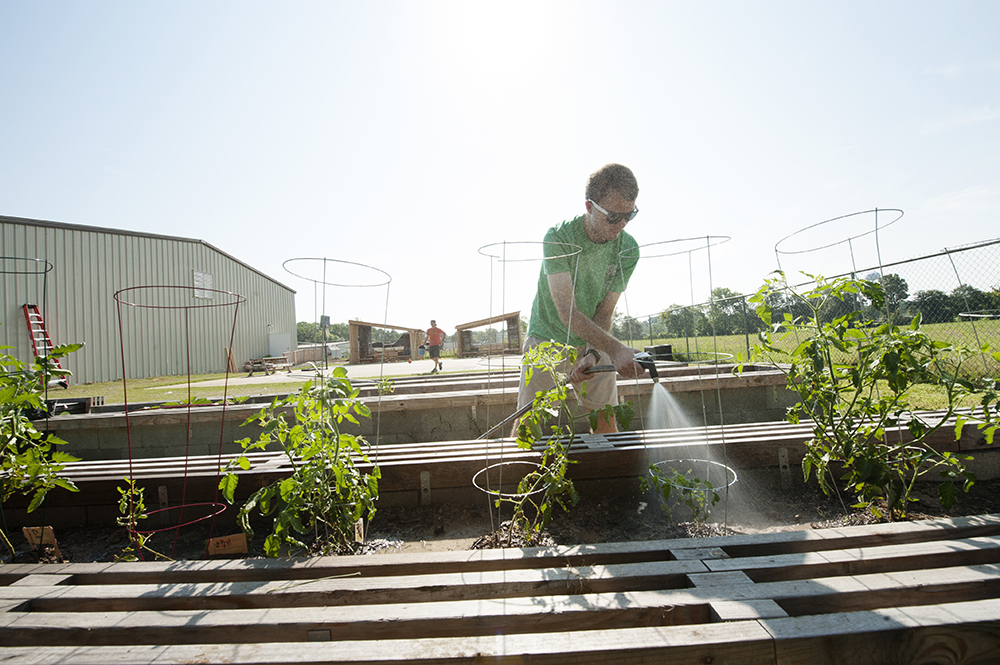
(594, 331)
(605, 313)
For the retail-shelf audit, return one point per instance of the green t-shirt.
(598, 269)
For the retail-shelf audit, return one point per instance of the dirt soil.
(627, 517)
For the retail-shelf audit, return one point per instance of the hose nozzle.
(645, 361)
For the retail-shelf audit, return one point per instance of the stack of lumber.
(919, 592)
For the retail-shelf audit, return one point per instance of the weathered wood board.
(920, 592)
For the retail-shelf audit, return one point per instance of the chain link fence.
(956, 292)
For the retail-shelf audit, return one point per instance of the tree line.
(309, 332)
(729, 312)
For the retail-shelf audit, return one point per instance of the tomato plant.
(326, 494)
(29, 461)
(853, 377)
(549, 425)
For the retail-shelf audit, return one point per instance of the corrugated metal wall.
(166, 331)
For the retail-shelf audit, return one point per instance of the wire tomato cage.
(688, 249)
(160, 328)
(501, 255)
(490, 479)
(324, 272)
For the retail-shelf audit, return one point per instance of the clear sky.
(406, 136)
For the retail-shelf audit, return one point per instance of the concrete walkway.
(372, 371)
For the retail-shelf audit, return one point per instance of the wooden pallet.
(450, 466)
(919, 592)
(453, 463)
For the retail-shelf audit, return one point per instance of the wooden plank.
(502, 392)
(165, 572)
(374, 622)
(882, 589)
(743, 610)
(701, 553)
(41, 579)
(386, 568)
(488, 321)
(357, 590)
(966, 632)
(725, 579)
(385, 326)
(879, 589)
(739, 643)
(838, 598)
(861, 560)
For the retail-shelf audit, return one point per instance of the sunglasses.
(616, 217)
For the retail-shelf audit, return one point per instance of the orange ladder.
(41, 343)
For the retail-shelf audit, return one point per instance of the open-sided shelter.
(513, 345)
(363, 350)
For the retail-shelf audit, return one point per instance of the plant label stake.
(164, 503)
(41, 536)
(784, 469)
(425, 488)
(359, 531)
(236, 544)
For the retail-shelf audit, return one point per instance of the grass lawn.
(727, 348)
(174, 388)
(170, 388)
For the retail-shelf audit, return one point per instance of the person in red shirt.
(435, 340)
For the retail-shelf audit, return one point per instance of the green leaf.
(60, 457)
(66, 484)
(37, 499)
(272, 546)
(947, 494)
(228, 486)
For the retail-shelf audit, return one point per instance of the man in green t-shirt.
(588, 263)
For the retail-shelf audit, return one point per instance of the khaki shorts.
(602, 389)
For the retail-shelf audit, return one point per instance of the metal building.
(174, 314)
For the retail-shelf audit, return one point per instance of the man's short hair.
(612, 177)
(433, 322)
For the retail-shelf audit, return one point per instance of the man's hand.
(580, 372)
(623, 359)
